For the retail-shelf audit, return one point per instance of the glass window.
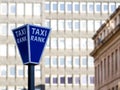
(105, 7)
(54, 60)
(11, 88)
(97, 7)
(61, 25)
(10, 27)
(69, 79)
(76, 25)
(37, 9)
(68, 7)
(68, 61)
(76, 61)
(97, 24)
(54, 24)
(54, 43)
(112, 7)
(117, 5)
(48, 43)
(20, 72)
(77, 80)
(61, 6)
(68, 43)
(83, 79)
(90, 43)
(37, 71)
(90, 25)
(83, 25)
(83, 7)
(91, 79)
(3, 71)
(76, 43)
(83, 43)
(3, 29)
(54, 6)
(61, 61)
(62, 79)
(28, 9)
(90, 7)
(20, 9)
(47, 6)
(47, 23)
(3, 50)
(12, 8)
(11, 49)
(3, 8)
(54, 79)
(11, 71)
(68, 25)
(76, 7)
(61, 43)
(47, 79)
(90, 61)
(47, 61)
(83, 61)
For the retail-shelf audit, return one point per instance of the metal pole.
(31, 77)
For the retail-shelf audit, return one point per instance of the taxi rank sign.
(31, 41)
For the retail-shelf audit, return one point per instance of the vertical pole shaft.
(31, 77)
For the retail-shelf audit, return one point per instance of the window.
(69, 79)
(76, 61)
(90, 61)
(90, 43)
(83, 43)
(11, 71)
(90, 25)
(54, 43)
(77, 80)
(68, 61)
(47, 61)
(112, 7)
(3, 8)
(3, 29)
(10, 27)
(20, 72)
(12, 8)
(83, 25)
(11, 88)
(83, 7)
(54, 80)
(97, 24)
(48, 43)
(54, 24)
(37, 71)
(61, 25)
(37, 9)
(47, 23)
(105, 7)
(97, 7)
(76, 7)
(83, 61)
(54, 60)
(47, 79)
(61, 43)
(3, 50)
(3, 71)
(68, 43)
(28, 9)
(68, 7)
(68, 25)
(62, 79)
(11, 49)
(76, 43)
(54, 6)
(90, 7)
(76, 25)
(91, 79)
(84, 80)
(47, 7)
(20, 9)
(61, 7)
(61, 61)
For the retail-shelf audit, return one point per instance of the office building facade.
(107, 54)
(66, 62)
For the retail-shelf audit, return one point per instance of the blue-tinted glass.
(84, 7)
(112, 8)
(77, 62)
(54, 6)
(62, 80)
(62, 7)
(47, 6)
(91, 80)
(20, 72)
(47, 80)
(54, 61)
(91, 7)
(98, 8)
(55, 80)
(105, 7)
(47, 61)
(77, 7)
(70, 80)
(77, 80)
(77, 25)
(12, 71)
(69, 7)
(62, 61)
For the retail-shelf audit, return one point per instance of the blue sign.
(31, 41)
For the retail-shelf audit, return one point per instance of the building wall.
(66, 63)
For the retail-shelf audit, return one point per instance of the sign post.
(31, 40)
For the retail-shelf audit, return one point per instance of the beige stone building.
(107, 54)
(66, 63)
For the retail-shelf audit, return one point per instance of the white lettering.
(37, 39)
(22, 39)
(21, 32)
